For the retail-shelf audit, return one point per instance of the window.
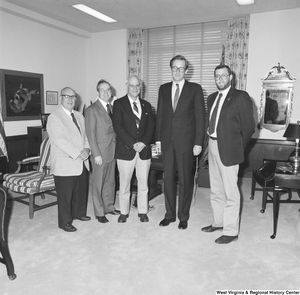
(201, 44)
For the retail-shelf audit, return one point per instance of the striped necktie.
(108, 107)
(213, 118)
(75, 121)
(136, 110)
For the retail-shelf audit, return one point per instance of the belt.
(213, 138)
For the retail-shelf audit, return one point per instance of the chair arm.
(27, 161)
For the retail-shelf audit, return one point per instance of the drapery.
(236, 56)
(135, 53)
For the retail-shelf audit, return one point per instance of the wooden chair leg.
(253, 188)
(7, 260)
(31, 206)
(264, 200)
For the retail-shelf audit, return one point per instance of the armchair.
(33, 183)
(264, 177)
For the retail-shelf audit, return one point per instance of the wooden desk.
(283, 180)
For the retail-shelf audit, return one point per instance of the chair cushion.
(26, 182)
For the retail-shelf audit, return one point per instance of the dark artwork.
(23, 96)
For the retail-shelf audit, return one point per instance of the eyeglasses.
(104, 90)
(222, 76)
(134, 86)
(175, 69)
(68, 96)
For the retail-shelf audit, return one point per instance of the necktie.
(212, 123)
(137, 119)
(176, 97)
(75, 121)
(108, 107)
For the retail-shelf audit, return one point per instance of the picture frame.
(22, 95)
(51, 97)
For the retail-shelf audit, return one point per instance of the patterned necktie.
(176, 97)
(108, 107)
(75, 122)
(212, 123)
(137, 119)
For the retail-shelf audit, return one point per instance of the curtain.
(135, 52)
(237, 50)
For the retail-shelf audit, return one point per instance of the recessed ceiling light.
(94, 13)
(245, 2)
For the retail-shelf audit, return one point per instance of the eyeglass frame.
(175, 69)
(222, 76)
(67, 96)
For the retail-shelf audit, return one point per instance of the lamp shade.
(293, 131)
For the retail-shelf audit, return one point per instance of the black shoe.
(84, 218)
(115, 212)
(69, 227)
(123, 218)
(102, 219)
(210, 229)
(166, 222)
(183, 225)
(226, 239)
(143, 217)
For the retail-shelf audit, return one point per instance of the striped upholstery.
(27, 182)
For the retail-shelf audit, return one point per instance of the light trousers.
(126, 169)
(225, 196)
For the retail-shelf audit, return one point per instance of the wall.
(274, 38)
(32, 47)
(106, 59)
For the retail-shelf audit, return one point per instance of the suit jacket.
(127, 132)
(235, 125)
(100, 132)
(185, 126)
(66, 143)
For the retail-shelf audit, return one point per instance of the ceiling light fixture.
(245, 2)
(94, 13)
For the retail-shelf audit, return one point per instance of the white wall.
(32, 47)
(106, 59)
(274, 38)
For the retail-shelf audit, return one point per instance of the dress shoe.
(102, 219)
(84, 218)
(143, 217)
(69, 227)
(123, 218)
(210, 229)
(183, 225)
(226, 239)
(115, 212)
(166, 222)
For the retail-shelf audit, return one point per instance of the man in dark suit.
(134, 125)
(230, 124)
(179, 136)
(102, 139)
(69, 160)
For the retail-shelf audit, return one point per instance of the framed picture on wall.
(21, 95)
(51, 97)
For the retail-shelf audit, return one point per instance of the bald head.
(68, 98)
(133, 87)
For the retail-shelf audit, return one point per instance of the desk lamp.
(293, 132)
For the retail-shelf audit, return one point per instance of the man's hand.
(98, 160)
(197, 150)
(139, 146)
(84, 154)
(158, 147)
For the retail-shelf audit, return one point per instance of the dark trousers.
(71, 197)
(182, 163)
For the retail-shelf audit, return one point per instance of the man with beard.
(230, 124)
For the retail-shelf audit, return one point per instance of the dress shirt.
(174, 87)
(138, 104)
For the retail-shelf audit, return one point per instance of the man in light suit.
(230, 124)
(102, 139)
(179, 136)
(134, 125)
(69, 160)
